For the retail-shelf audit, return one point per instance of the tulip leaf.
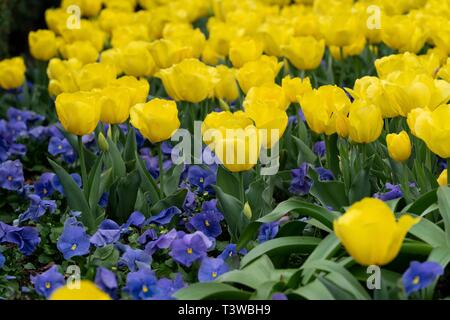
(75, 196)
(118, 165)
(231, 208)
(94, 182)
(315, 290)
(429, 232)
(148, 184)
(130, 146)
(340, 276)
(329, 193)
(337, 292)
(228, 182)
(172, 180)
(281, 246)
(442, 256)
(259, 196)
(360, 187)
(175, 200)
(296, 205)
(443, 195)
(89, 157)
(423, 203)
(211, 290)
(122, 196)
(305, 153)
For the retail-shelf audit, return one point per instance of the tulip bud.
(443, 178)
(248, 211)
(102, 142)
(399, 146)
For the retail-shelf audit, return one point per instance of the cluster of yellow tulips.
(99, 70)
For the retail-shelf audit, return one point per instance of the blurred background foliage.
(17, 18)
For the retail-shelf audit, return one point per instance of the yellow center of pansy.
(207, 223)
(214, 274)
(48, 285)
(416, 280)
(73, 247)
(144, 289)
(189, 250)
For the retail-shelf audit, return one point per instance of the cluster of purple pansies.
(184, 238)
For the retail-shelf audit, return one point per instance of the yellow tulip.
(84, 51)
(87, 31)
(275, 35)
(340, 29)
(186, 37)
(408, 91)
(109, 19)
(55, 17)
(115, 104)
(42, 44)
(433, 127)
(95, 76)
(86, 291)
(136, 59)
(139, 89)
(271, 122)
(221, 35)
(295, 87)
(124, 35)
(88, 8)
(79, 113)
(444, 72)
(62, 75)
(443, 178)
(370, 233)
(190, 80)
(305, 53)
(403, 34)
(365, 122)
(238, 150)
(112, 57)
(371, 89)
(166, 53)
(222, 121)
(227, 87)
(271, 95)
(12, 73)
(245, 50)
(399, 146)
(407, 62)
(258, 73)
(157, 120)
(210, 56)
(322, 106)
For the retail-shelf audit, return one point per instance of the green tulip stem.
(448, 171)
(161, 170)
(241, 186)
(84, 176)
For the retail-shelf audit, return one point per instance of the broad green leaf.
(122, 196)
(423, 203)
(315, 290)
(281, 246)
(329, 193)
(118, 165)
(443, 195)
(175, 200)
(75, 196)
(172, 180)
(148, 184)
(211, 290)
(227, 182)
(231, 208)
(427, 231)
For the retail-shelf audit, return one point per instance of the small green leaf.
(211, 290)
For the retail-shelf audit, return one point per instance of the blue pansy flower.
(108, 232)
(211, 269)
(60, 146)
(141, 284)
(147, 236)
(319, 149)
(190, 203)
(152, 162)
(208, 220)
(136, 219)
(394, 192)
(44, 186)
(11, 175)
(37, 209)
(231, 251)
(190, 248)
(135, 259)
(47, 282)
(268, 231)
(26, 238)
(25, 116)
(107, 281)
(167, 287)
(300, 184)
(164, 217)
(103, 202)
(163, 242)
(58, 186)
(324, 174)
(421, 275)
(39, 133)
(73, 241)
(201, 178)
